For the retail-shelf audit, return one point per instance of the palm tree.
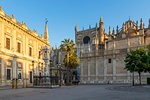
(68, 46)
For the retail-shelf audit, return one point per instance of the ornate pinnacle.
(96, 24)
(76, 28)
(137, 27)
(101, 20)
(113, 31)
(141, 25)
(117, 30)
(109, 30)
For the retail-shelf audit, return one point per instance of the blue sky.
(62, 15)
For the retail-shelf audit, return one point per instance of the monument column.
(14, 85)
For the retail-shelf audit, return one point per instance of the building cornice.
(26, 30)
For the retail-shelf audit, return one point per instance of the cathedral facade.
(20, 51)
(102, 55)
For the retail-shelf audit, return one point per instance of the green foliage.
(73, 61)
(138, 61)
(67, 45)
(147, 69)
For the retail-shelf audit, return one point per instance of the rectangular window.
(109, 60)
(39, 54)
(19, 47)
(8, 74)
(19, 74)
(30, 51)
(8, 43)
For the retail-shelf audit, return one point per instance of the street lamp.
(60, 72)
(33, 71)
(33, 67)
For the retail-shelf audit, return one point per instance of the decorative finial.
(35, 30)
(12, 15)
(22, 22)
(0, 7)
(46, 20)
(123, 23)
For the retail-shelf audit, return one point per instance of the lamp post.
(33, 72)
(60, 72)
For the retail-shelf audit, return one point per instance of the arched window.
(86, 39)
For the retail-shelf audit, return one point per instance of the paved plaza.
(80, 92)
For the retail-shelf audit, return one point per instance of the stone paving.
(80, 92)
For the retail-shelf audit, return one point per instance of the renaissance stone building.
(102, 55)
(20, 51)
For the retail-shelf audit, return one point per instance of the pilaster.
(3, 71)
(114, 68)
(105, 69)
(128, 45)
(96, 69)
(13, 44)
(24, 75)
(88, 70)
(2, 37)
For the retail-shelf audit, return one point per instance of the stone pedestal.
(46, 67)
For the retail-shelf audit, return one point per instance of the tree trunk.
(68, 67)
(133, 79)
(140, 77)
(71, 76)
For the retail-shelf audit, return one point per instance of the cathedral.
(102, 54)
